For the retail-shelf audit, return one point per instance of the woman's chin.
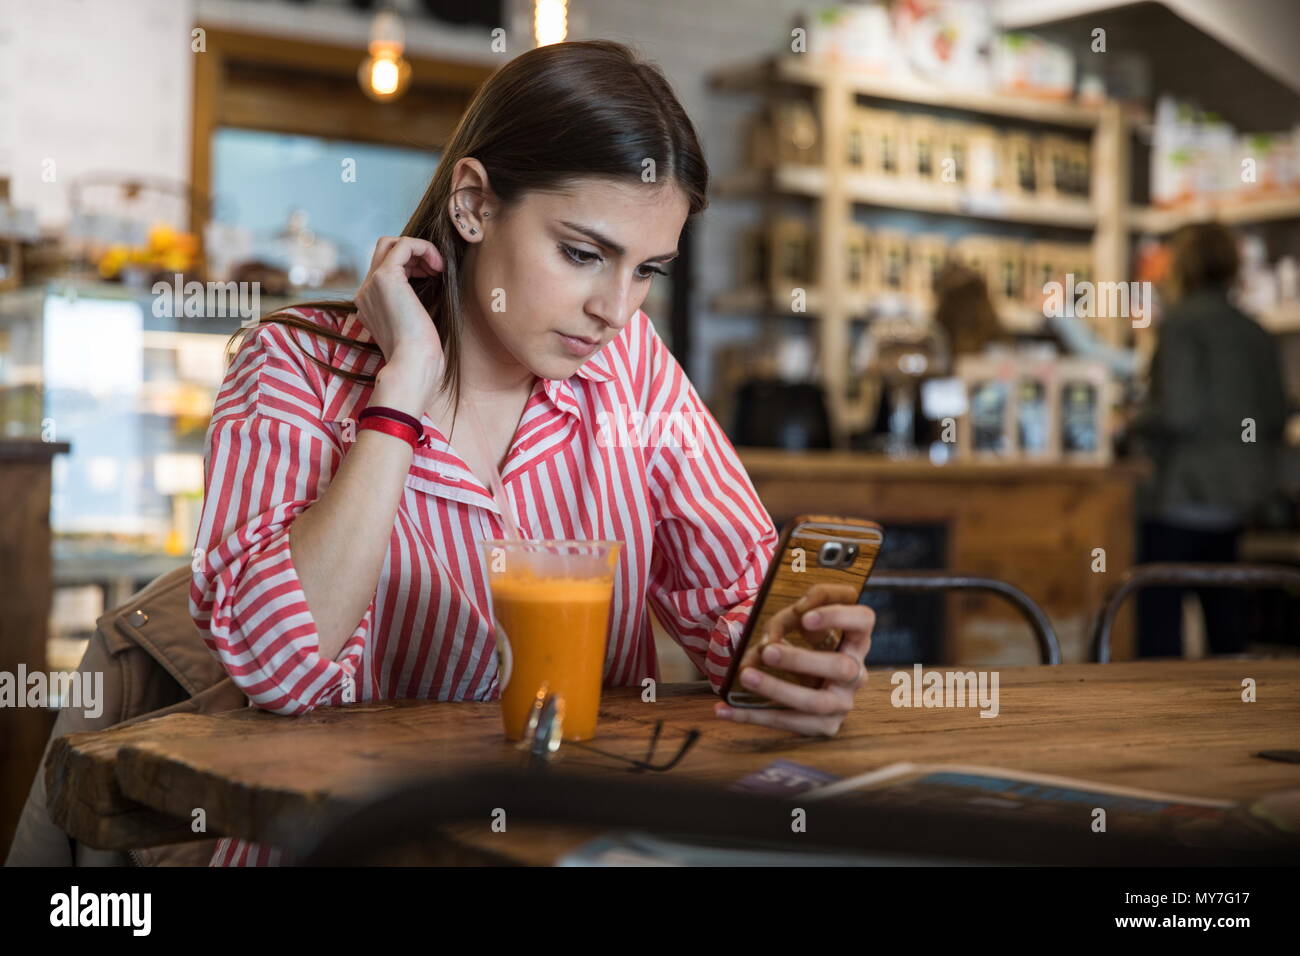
(558, 366)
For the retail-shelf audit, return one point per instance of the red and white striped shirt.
(696, 539)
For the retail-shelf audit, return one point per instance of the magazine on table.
(982, 791)
(950, 789)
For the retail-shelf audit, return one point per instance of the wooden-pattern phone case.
(813, 549)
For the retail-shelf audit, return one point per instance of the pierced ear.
(463, 216)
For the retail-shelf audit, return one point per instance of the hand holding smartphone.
(814, 549)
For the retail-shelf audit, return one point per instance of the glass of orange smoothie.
(551, 602)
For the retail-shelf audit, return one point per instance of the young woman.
(332, 555)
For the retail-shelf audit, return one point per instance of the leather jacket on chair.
(154, 663)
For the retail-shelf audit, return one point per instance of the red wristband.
(383, 410)
(390, 427)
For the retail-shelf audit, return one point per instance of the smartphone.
(813, 549)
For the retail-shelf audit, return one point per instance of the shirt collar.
(597, 368)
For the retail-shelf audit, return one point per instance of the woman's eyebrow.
(610, 244)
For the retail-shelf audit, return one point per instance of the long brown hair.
(548, 118)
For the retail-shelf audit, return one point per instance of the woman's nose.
(615, 306)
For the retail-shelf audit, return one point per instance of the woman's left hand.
(813, 712)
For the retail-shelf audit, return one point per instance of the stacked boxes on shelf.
(1196, 158)
(884, 263)
(785, 131)
(974, 157)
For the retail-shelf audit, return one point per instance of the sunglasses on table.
(544, 729)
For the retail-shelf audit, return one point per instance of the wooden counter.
(26, 590)
(1034, 526)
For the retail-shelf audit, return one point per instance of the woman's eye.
(574, 254)
(577, 256)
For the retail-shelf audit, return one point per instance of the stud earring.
(472, 231)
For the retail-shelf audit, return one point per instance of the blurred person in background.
(1212, 424)
(963, 309)
(965, 323)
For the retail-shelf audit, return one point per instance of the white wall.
(92, 86)
(107, 85)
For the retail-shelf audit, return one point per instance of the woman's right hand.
(399, 323)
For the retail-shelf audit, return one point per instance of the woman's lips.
(578, 347)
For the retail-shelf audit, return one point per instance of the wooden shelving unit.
(1015, 318)
(805, 71)
(918, 197)
(836, 189)
(1161, 221)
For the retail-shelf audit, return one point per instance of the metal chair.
(1049, 648)
(1252, 576)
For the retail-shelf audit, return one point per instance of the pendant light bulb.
(385, 74)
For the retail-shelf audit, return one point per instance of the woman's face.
(560, 268)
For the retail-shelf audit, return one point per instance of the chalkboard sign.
(909, 625)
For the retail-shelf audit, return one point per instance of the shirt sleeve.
(268, 456)
(713, 539)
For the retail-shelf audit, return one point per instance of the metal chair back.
(1246, 576)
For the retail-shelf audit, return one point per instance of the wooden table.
(1174, 726)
